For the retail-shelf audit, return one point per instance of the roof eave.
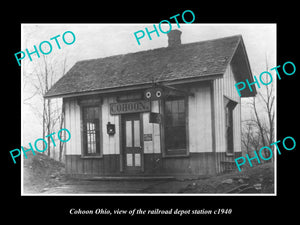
(133, 87)
(248, 74)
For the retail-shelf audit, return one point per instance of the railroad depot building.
(167, 111)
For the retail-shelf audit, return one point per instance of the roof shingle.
(163, 64)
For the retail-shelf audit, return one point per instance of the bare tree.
(268, 99)
(45, 72)
(258, 121)
(38, 77)
(262, 121)
(44, 75)
(61, 118)
(250, 137)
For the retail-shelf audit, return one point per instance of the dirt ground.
(42, 175)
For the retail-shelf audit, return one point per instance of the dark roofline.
(241, 43)
(137, 86)
(235, 49)
(154, 49)
(254, 93)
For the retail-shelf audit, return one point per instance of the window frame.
(230, 105)
(175, 152)
(88, 103)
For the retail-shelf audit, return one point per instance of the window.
(229, 107)
(91, 130)
(175, 126)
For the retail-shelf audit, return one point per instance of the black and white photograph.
(160, 109)
(148, 111)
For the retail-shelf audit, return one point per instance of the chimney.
(174, 38)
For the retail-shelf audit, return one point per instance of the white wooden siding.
(72, 123)
(200, 121)
(225, 86)
(110, 143)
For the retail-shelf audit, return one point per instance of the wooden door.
(131, 144)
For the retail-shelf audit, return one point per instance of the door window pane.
(136, 127)
(137, 159)
(128, 133)
(129, 159)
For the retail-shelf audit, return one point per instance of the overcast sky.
(102, 40)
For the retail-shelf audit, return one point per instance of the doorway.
(132, 143)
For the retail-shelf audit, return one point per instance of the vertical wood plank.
(71, 152)
(76, 132)
(68, 164)
(111, 139)
(147, 129)
(95, 166)
(80, 168)
(105, 138)
(74, 164)
(199, 111)
(192, 121)
(217, 115)
(67, 124)
(88, 166)
(120, 144)
(117, 135)
(156, 129)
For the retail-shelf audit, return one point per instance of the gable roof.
(199, 60)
